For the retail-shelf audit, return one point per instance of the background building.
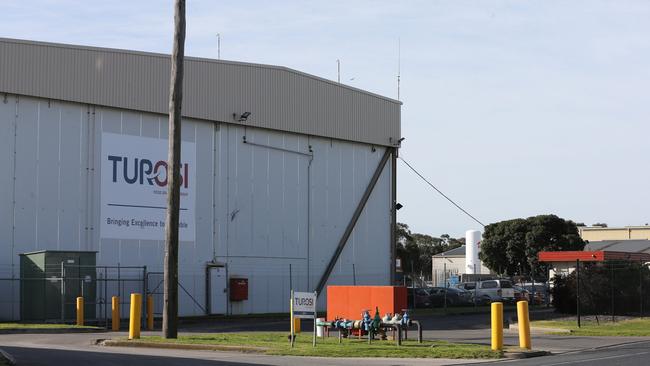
(276, 163)
(453, 263)
(597, 233)
(629, 243)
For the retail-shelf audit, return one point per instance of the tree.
(416, 249)
(170, 305)
(510, 247)
(406, 249)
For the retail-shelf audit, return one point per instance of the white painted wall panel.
(72, 120)
(251, 211)
(7, 130)
(47, 175)
(8, 308)
(25, 213)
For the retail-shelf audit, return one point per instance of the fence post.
(641, 289)
(611, 285)
(135, 314)
(119, 283)
(115, 311)
(444, 299)
(578, 291)
(106, 297)
(145, 298)
(62, 292)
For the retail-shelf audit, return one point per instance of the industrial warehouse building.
(280, 169)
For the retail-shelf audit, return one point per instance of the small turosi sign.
(304, 304)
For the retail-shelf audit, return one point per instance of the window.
(506, 284)
(489, 284)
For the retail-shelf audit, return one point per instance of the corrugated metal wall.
(279, 98)
(252, 207)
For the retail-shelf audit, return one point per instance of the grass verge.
(624, 328)
(277, 343)
(18, 326)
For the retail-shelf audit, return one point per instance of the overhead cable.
(439, 191)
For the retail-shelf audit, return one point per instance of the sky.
(512, 108)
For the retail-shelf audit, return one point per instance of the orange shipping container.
(349, 301)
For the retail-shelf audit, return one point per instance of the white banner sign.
(304, 304)
(134, 188)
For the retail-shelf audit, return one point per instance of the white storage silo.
(472, 263)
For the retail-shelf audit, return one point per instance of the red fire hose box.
(238, 289)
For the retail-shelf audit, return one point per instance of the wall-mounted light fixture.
(241, 117)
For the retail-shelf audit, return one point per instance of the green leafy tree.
(416, 249)
(510, 247)
(406, 249)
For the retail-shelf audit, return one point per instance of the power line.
(439, 191)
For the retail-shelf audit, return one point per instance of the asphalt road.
(47, 357)
(631, 354)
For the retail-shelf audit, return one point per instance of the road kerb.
(204, 347)
(524, 354)
(539, 330)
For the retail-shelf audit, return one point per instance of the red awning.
(594, 256)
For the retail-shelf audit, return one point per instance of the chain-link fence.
(52, 295)
(603, 289)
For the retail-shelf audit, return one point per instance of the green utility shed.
(51, 281)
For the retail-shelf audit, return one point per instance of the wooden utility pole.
(170, 307)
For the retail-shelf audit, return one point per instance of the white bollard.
(320, 330)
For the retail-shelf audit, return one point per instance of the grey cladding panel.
(279, 98)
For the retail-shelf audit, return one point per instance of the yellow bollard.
(150, 312)
(80, 311)
(135, 316)
(115, 310)
(524, 324)
(497, 326)
(296, 325)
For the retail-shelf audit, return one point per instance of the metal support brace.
(393, 213)
(353, 221)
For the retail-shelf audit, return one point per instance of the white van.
(496, 290)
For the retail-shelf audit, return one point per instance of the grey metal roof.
(459, 252)
(631, 246)
(278, 98)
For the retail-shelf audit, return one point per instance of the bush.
(630, 290)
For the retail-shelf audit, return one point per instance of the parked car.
(453, 296)
(418, 298)
(468, 286)
(475, 296)
(521, 294)
(539, 291)
(496, 290)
